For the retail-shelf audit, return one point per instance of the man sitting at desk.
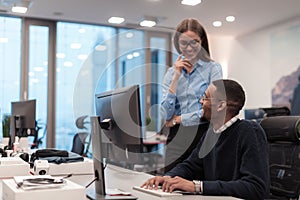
(232, 157)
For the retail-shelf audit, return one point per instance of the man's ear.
(221, 106)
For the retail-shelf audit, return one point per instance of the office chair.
(79, 139)
(276, 111)
(80, 123)
(79, 143)
(283, 134)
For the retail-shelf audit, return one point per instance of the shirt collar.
(198, 64)
(226, 125)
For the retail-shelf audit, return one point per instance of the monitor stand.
(98, 191)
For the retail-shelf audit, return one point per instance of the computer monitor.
(23, 121)
(121, 125)
(99, 189)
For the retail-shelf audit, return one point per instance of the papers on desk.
(38, 182)
(66, 190)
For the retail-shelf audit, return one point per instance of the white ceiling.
(250, 15)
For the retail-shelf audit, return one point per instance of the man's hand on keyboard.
(154, 182)
(178, 183)
(169, 184)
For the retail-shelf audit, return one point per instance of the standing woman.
(184, 84)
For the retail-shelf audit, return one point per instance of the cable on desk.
(95, 179)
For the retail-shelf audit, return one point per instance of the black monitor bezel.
(115, 104)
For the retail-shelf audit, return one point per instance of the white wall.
(248, 61)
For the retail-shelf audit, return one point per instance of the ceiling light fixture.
(217, 23)
(19, 9)
(148, 21)
(190, 2)
(18, 6)
(230, 18)
(100, 47)
(129, 35)
(116, 20)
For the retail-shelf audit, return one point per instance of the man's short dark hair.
(231, 92)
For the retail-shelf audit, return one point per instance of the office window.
(10, 63)
(128, 66)
(158, 70)
(131, 60)
(38, 76)
(83, 53)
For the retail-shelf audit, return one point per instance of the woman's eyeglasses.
(192, 43)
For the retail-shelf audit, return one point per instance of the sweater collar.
(226, 125)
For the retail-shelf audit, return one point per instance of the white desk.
(124, 179)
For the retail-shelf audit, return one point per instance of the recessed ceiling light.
(81, 30)
(217, 23)
(136, 54)
(129, 56)
(19, 9)
(190, 2)
(230, 18)
(100, 47)
(116, 20)
(129, 35)
(147, 23)
(60, 55)
(68, 64)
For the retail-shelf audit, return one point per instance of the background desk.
(124, 179)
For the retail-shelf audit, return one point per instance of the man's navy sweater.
(231, 163)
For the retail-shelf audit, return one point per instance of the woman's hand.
(181, 63)
(178, 66)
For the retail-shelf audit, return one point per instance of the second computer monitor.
(121, 125)
(23, 120)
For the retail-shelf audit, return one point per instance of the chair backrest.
(79, 143)
(283, 134)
